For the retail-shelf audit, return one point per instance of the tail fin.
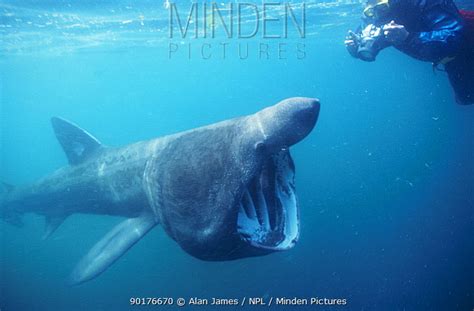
(13, 218)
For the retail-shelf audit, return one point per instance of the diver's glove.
(352, 43)
(395, 33)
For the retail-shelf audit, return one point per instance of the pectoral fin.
(111, 247)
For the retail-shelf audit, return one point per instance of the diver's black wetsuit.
(438, 33)
(461, 69)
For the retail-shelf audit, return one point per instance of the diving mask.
(377, 9)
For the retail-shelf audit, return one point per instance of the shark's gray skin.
(222, 192)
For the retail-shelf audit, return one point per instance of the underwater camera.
(369, 42)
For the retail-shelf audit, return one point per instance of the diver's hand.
(350, 39)
(351, 43)
(395, 33)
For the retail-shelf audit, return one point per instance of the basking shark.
(222, 192)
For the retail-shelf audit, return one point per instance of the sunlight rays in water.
(62, 29)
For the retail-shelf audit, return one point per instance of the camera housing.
(370, 42)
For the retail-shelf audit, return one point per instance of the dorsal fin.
(77, 143)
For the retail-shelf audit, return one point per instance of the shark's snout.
(305, 112)
(288, 122)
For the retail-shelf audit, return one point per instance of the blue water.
(385, 181)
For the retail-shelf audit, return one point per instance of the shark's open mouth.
(268, 213)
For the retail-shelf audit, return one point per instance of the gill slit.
(260, 127)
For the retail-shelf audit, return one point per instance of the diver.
(429, 30)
